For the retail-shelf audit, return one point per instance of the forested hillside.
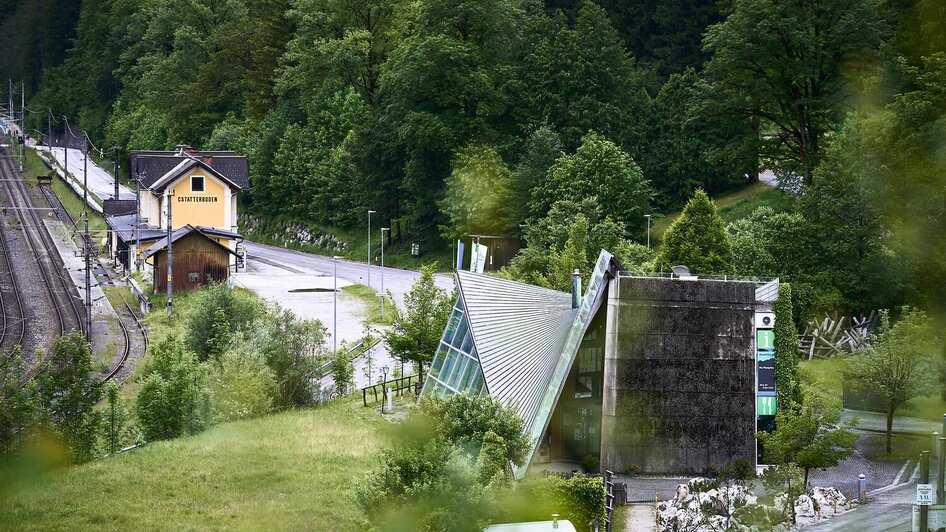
(452, 117)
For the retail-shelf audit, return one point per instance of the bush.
(591, 463)
(293, 350)
(220, 311)
(173, 399)
(68, 392)
(448, 467)
(241, 386)
(737, 470)
(578, 499)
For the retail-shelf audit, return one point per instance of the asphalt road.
(397, 281)
(892, 510)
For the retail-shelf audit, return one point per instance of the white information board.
(924, 494)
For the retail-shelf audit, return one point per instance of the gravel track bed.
(44, 297)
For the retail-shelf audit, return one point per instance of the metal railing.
(395, 386)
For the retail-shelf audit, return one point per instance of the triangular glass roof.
(522, 338)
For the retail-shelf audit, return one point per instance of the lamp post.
(648, 229)
(370, 212)
(335, 304)
(383, 229)
(384, 389)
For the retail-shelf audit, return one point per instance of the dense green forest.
(563, 122)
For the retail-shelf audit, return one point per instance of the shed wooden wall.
(192, 254)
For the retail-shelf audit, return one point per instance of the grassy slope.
(294, 470)
(68, 197)
(735, 205)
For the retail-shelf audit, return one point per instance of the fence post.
(364, 396)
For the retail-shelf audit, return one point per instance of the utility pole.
(88, 282)
(88, 251)
(168, 195)
(116, 148)
(85, 175)
(924, 479)
(22, 123)
(383, 229)
(370, 212)
(65, 148)
(137, 219)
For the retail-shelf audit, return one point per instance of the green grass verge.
(825, 373)
(289, 471)
(372, 302)
(902, 447)
(734, 206)
(71, 201)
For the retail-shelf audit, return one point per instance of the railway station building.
(200, 190)
(656, 374)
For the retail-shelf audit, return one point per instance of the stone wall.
(679, 375)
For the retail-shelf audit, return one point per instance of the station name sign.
(197, 199)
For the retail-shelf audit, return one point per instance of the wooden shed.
(197, 259)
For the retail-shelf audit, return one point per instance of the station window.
(197, 183)
(193, 277)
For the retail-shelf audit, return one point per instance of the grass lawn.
(826, 374)
(289, 471)
(71, 201)
(734, 206)
(372, 303)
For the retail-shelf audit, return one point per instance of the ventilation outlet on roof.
(576, 288)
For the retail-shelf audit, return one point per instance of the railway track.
(66, 307)
(11, 307)
(121, 371)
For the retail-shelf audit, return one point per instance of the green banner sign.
(765, 339)
(765, 405)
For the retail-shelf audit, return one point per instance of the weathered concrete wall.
(679, 375)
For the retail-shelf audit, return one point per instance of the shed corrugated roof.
(124, 227)
(519, 331)
(176, 235)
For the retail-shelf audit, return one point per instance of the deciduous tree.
(417, 328)
(785, 63)
(900, 361)
(809, 435)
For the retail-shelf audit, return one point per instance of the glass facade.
(455, 368)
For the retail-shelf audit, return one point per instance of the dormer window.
(197, 183)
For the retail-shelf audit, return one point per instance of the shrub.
(117, 431)
(68, 393)
(173, 399)
(591, 463)
(448, 466)
(293, 350)
(738, 469)
(241, 386)
(220, 311)
(578, 498)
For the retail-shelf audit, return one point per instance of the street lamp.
(383, 229)
(370, 212)
(648, 229)
(335, 305)
(384, 390)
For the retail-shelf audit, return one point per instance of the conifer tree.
(786, 350)
(698, 240)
